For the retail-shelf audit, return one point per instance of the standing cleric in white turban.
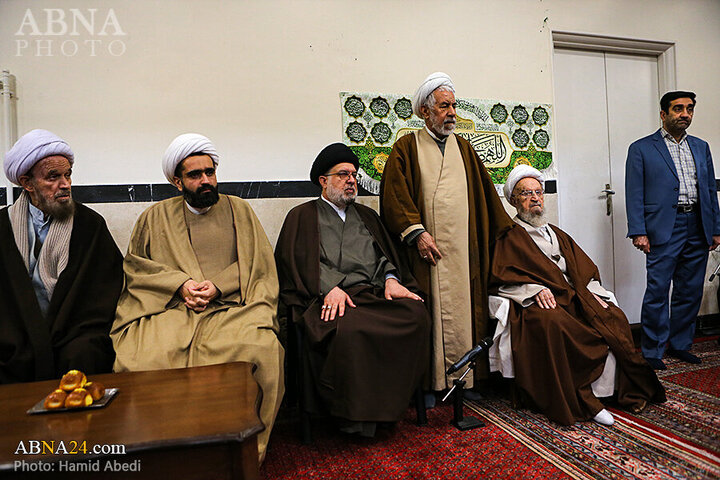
(200, 282)
(440, 202)
(60, 269)
(571, 346)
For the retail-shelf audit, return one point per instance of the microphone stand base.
(460, 421)
(468, 423)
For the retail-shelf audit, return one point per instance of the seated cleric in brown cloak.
(60, 270)
(366, 335)
(562, 323)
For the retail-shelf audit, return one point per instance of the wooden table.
(188, 423)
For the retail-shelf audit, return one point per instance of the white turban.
(182, 147)
(30, 149)
(431, 83)
(517, 174)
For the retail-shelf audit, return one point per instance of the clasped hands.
(545, 299)
(336, 299)
(198, 295)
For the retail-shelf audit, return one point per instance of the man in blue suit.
(672, 211)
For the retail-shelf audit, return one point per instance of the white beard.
(536, 220)
(443, 129)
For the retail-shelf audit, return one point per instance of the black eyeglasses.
(342, 175)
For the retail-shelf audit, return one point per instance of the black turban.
(329, 157)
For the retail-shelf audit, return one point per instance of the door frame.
(664, 51)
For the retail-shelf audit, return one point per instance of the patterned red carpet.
(407, 451)
(692, 411)
(677, 440)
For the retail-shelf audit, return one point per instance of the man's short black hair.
(179, 168)
(670, 96)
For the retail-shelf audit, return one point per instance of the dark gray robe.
(365, 365)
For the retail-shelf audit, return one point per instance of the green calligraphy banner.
(503, 133)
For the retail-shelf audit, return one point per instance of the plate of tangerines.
(75, 392)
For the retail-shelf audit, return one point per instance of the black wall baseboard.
(146, 192)
(153, 192)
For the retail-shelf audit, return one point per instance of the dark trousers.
(682, 261)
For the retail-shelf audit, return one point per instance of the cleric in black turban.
(329, 157)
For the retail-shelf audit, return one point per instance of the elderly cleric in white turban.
(429, 85)
(517, 174)
(182, 147)
(30, 149)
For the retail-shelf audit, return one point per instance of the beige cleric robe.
(154, 330)
(446, 220)
(452, 197)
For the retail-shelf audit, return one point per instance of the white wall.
(261, 78)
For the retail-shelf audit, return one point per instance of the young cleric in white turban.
(201, 286)
(182, 147)
(439, 200)
(60, 270)
(566, 331)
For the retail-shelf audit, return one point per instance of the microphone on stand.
(470, 356)
(460, 421)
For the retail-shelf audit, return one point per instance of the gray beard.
(338, 197)
(57, 210)
(536, 221)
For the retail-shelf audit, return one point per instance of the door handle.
(608, 199)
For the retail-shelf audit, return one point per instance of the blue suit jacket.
(651, 189)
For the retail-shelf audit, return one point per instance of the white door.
(603, 102)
